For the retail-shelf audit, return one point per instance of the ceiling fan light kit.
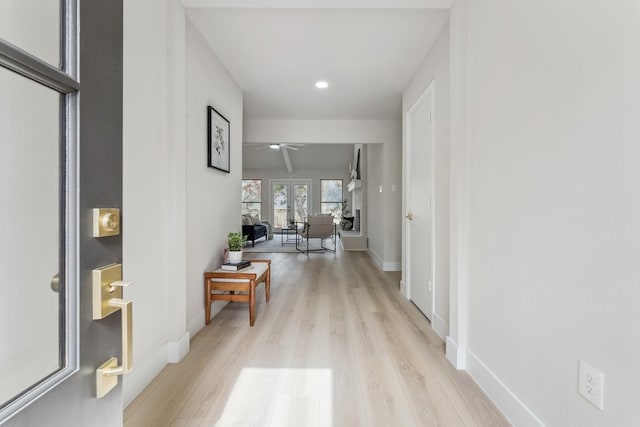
(276, 146)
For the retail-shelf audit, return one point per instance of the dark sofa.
(254, 232)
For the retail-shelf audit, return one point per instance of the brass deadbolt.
(106, 222)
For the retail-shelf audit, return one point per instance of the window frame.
(243, 203)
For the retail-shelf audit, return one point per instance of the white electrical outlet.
(591, 384)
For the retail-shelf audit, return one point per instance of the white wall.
(213, 197)
(553, 101)
(374, 201)
(392, 200)
(385, 132)
(435, 68)
(145, 197)
(170, 196)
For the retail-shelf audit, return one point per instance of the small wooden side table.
(240, 284)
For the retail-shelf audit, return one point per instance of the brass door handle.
(107, 373)
(409, 216)
(107, 299)
(126, 307)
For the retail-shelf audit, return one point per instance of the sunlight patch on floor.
(280, 397)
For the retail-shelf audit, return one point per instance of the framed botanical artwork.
(217, 140)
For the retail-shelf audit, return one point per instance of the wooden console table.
(241, 286)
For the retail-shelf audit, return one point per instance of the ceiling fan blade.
(262, 147)
(288, 147)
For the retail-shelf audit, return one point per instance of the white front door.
(61, 148)
(289, 199)
(418, 164)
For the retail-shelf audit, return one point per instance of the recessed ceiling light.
(322, 84)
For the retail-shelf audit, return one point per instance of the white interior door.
(289, 199)
(419, 248)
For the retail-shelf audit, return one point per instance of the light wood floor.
(336, 346)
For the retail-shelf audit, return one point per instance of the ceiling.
(367, 50)
(276, 53)
(311, 156)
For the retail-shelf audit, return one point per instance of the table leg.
(267, 283)
(207, 301)
(252, 302)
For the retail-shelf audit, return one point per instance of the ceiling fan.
(276, 146)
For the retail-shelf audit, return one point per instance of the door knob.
(55, 283)
(409, 216)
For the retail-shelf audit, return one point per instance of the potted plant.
(292, 222)
(347, 221)
(345, 208)
(236, 242)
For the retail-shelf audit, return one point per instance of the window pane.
(301, 192)
(332, 208)
(331, 190)
(29, 226)
(280, 205)
(252, 209)
(251, 190)
(33, 26)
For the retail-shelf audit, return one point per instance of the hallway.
(336, 346)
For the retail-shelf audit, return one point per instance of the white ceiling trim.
(320, 4)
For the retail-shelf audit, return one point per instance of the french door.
(290, 199)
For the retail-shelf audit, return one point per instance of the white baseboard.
(177, 350)
(513, 408)
(455, 355)
(384, 265)
(440, 326)
(392, 266)
(142, 374)
(374, 256)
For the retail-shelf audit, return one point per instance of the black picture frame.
(218, 140)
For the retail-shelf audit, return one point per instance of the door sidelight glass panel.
(30, 218)
(33, 26)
